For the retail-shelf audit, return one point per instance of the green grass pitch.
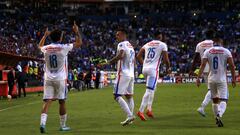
(95, 112)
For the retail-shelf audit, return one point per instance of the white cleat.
(128, 121)
(201, 111)
(65, 128)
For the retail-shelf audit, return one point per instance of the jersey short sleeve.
(68, 47)
(165, 47)
(120, 46)
(197, 49)
(205, 54)
(43, 49)
(228, 53)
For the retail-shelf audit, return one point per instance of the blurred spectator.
(11, 80)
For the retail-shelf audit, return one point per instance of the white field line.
(17, 106)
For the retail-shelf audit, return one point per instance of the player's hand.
(169, 71)
(233, 83)
(190, 73)
(47, 33)
(75, 27)
(198, 82)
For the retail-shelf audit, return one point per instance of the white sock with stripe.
(130, 103)
(206, 100)
(144, 102)
(124, 106)
(215, 109)
(43, 119)
(63, 119)
(150, 99)
(222, 108)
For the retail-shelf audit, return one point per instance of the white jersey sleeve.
(153, 52)
(125, 66)
(217, 59)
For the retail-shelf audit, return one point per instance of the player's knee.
(61, 101)
(215, 100)
(128, 96)
(116, 96)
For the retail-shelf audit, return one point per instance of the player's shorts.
(219, 90)
(123, 85)
(55, 90)
(205, 77)
(151, 76)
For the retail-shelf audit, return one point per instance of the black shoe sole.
(219, 122)
(42, 130)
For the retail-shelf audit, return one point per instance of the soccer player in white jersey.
(201, 47)
(218, 57)
(101, 85)
(124, 82)
(153, 51)
(55, 88)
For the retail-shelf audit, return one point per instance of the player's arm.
(166, 61)
(42, 41)
(196, 59)
(232, 69)
(119, 56)
(140, 56)
(204, 62)
(78, 37)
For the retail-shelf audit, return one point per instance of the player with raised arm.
(153, 51)
(124, 82)
(201, 47)
(55, 88)
(218, 57)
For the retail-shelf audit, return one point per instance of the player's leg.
(119, 90)
(61, 88)
(151, 86)
(144, 102)
(215, 104)
(129, 95)
(48, 95)
(207, 98)
(224, 95)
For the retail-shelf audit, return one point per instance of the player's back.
(55, 56)
(217, 58)
(153, 51)
(126, 64)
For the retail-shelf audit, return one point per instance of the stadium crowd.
(21, 30)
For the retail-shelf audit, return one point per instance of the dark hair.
(157, 33)
(210, 34)
(122, 30)
(55, 35)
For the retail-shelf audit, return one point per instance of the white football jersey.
(201, 47)
(55, 56)
(125, 66)
(217, 59)
(153, 51)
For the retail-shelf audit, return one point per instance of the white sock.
(206, 100)
(150, 99)
(124, 106)
(130, 103)
(222, 108)
(215, 109)
(144, 102)
(63, 119)
(43, 119)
